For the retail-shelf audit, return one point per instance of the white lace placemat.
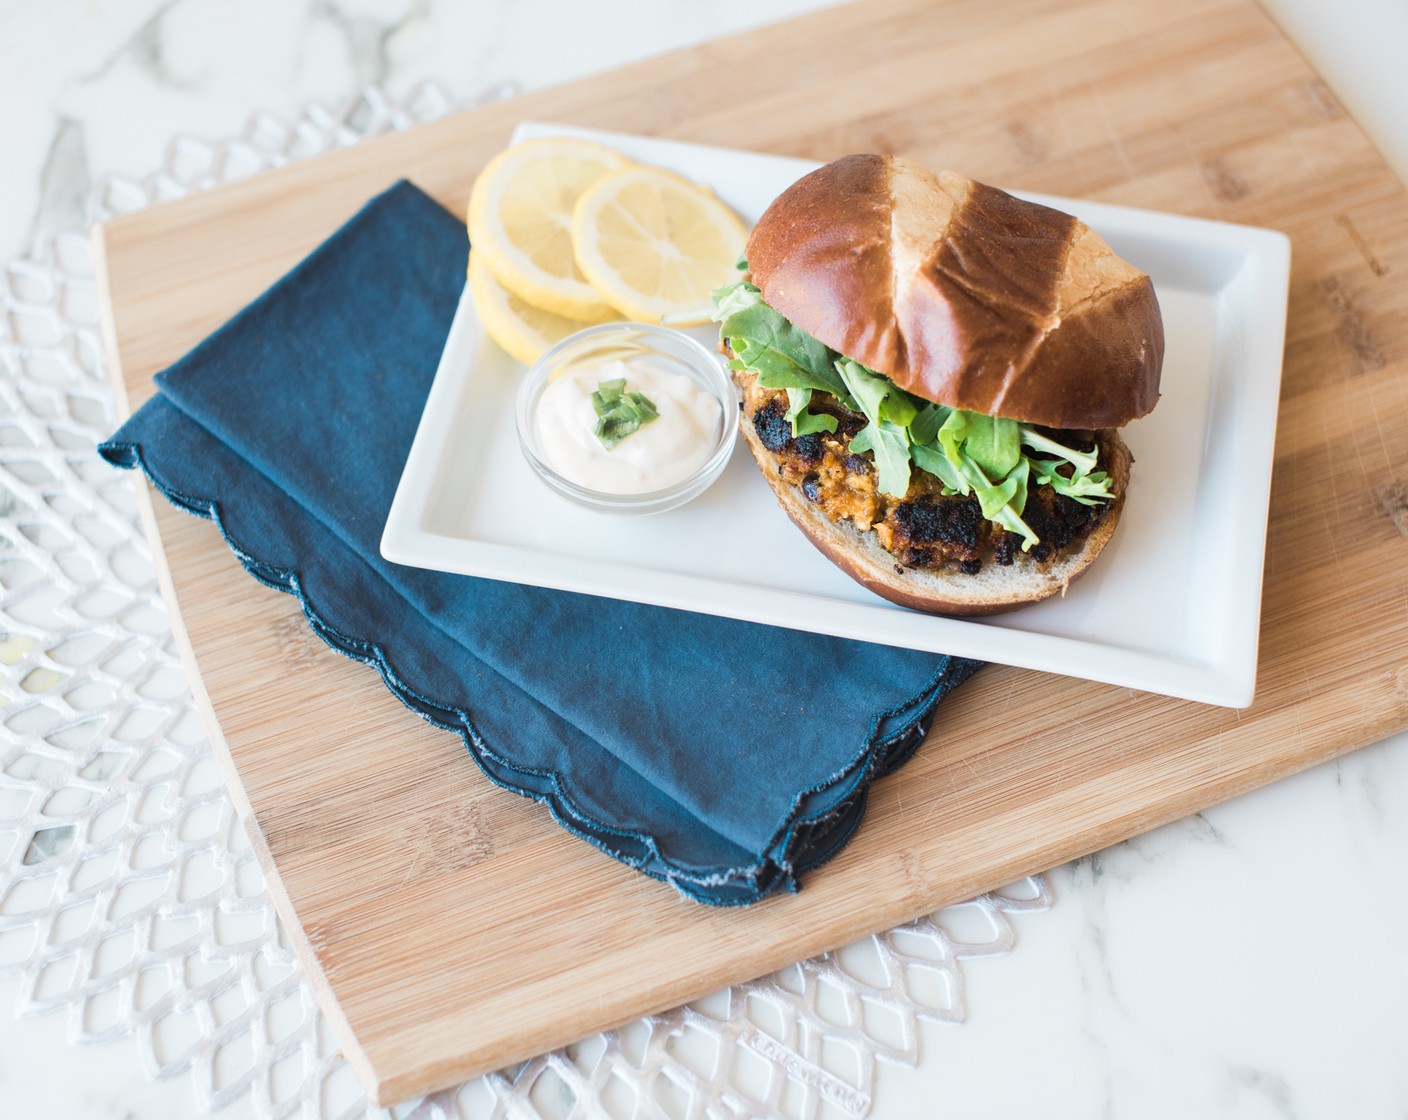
(128, 893)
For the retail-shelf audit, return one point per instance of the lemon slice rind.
(521, 329)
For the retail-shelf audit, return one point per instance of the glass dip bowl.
(662, 348)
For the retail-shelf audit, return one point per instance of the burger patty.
(925, 528)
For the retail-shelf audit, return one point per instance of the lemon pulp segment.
(654, 244)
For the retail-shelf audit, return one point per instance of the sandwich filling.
(940, 488)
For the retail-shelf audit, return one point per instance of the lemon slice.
(520, 328)
(520, 219)
(655, 244)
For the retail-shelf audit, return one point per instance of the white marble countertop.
(1251, 961)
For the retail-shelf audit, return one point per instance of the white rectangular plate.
(1172, 606)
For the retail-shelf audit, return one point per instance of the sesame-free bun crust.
(962, 294)
(995, 589)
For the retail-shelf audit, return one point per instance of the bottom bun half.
(992, 590)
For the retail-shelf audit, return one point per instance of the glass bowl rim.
(697, 356)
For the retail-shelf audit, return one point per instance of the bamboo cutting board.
(453, 928)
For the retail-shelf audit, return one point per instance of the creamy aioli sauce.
(660, 453)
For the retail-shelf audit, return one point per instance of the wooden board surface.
(451, 927)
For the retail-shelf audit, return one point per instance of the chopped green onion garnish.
(620, 413)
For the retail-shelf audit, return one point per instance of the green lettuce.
(890, 412)
(782, 356)
(968, 452)
(804, 423)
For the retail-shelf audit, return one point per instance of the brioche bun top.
(962, 294)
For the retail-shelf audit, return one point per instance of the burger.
(932, 375)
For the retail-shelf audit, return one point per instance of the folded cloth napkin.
(721, 756)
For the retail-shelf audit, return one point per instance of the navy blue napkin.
(721, 756)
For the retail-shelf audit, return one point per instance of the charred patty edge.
(926, 529)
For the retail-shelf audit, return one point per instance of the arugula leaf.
(952, 433)
(1083, 461)
(993, 498)
(1084, 484)
(1004, 504)
(877, 396)
(929, 457)
(804, 423)
(890, 412)
(735, 297)
(994, 442)
(890, 445)
(1022, 474)
(1084, 488)
(782, 356)
(924, 428)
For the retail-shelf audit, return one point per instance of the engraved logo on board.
(830, 1087)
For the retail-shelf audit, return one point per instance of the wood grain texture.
(453, 928)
